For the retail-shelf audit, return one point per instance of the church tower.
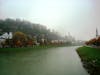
(96, 32)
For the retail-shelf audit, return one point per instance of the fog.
(79, 17)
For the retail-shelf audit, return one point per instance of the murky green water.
(54, 61)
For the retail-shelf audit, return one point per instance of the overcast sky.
(79, 17)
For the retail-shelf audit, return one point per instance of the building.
(5, 36)
(97, 34)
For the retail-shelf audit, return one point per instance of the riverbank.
(24, 48)
(9, 50)
(90, 58)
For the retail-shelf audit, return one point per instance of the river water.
(53, 61)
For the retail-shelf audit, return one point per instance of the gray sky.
(79, 17)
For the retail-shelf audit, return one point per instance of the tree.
(98, 41)
(20, 37)
(30, 42)
(28, 28)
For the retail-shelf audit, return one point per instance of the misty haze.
(49, 37)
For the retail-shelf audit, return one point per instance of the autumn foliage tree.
(19, 39)
(30, 42)
(94, 41)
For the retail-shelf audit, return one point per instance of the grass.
(90, 58)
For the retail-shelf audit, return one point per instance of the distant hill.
(31, 29)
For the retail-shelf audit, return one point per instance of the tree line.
(94, 41)
(26, 33)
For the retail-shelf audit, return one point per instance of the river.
(53, 61)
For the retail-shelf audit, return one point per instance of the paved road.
(54, 61)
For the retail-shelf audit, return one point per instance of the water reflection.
(55, 61)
